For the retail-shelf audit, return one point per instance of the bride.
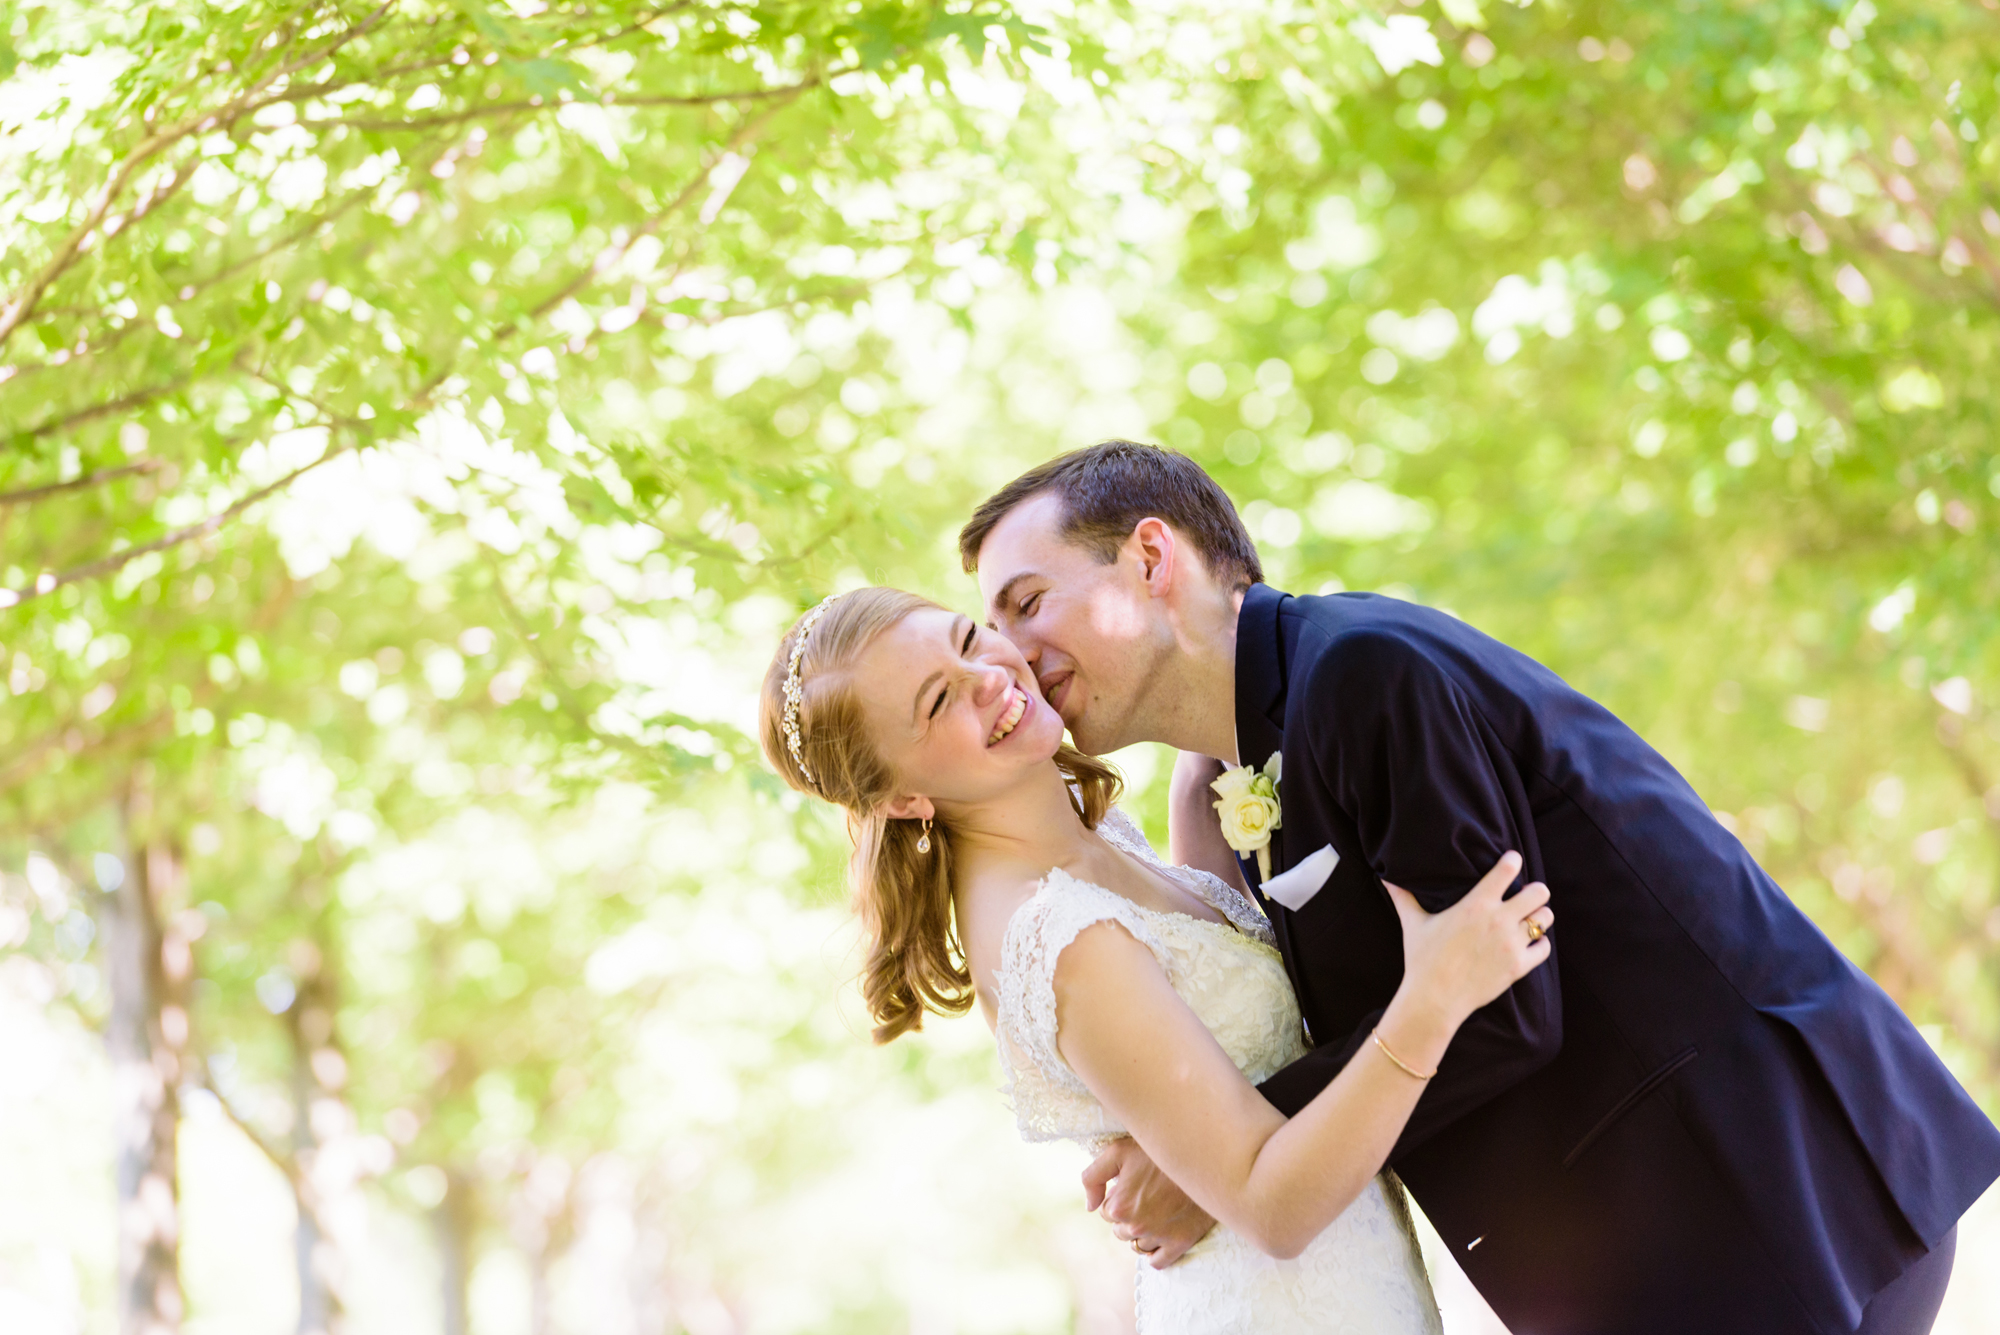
(1128, 997)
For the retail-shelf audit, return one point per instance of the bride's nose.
(989, 685)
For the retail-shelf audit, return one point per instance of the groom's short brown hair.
(1108, 488)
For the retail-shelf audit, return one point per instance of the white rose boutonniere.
(1247, 801)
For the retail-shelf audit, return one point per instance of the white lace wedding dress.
(1363, 1275)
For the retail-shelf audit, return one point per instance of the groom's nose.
(1029, 646)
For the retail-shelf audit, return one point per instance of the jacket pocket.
(1628, 1103)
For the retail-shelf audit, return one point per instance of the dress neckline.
(1134, 845)
(1224, 924)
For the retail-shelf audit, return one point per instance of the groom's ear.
(1154, 546)
(909, 807)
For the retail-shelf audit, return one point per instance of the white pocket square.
(1293, 888)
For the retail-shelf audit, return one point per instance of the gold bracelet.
(1376, 1034)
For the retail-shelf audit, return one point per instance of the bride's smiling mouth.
(1018, 705)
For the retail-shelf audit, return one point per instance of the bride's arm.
(1154, 1066)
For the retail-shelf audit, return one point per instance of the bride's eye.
(1028, 605)
(971, 634)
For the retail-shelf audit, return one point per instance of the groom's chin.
(1085, 739)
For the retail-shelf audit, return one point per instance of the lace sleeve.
(1049, 1101)
(1220, 895)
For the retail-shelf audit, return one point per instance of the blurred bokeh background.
(422, 417)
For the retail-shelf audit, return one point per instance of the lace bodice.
(1231, 976)
(1363, 1275)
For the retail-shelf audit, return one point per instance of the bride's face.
(953, 707)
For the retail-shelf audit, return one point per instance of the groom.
(1702, 1119)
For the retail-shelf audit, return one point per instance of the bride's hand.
(1466, 956)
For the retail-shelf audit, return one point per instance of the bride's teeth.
(1010, 718)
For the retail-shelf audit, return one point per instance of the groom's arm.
(1435, 800)
(1194, 831)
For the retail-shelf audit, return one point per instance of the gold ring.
(1143, 1251)
(1535, 931)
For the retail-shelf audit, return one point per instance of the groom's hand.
(1142, 1204)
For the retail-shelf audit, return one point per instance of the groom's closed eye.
(1025, 606)
(1008, 597)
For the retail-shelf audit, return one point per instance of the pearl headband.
(795, 690)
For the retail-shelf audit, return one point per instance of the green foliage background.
(421, 418)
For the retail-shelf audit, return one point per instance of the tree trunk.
(319, 1114)
(147, 1038)
(453, 1220)
(541, 1299)
(543, 1227)
(315, 1296)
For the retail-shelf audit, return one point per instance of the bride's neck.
(1033, 824)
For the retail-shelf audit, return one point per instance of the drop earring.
(924, 839)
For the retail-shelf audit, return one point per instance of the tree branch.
(1977, 780)
(50, 582)
(23, 305)
(281, 1161)
(293, 237)
(102, 475)
(652, 17)
(283, 31)
(188, 291)
(1928, 212)
(95, 411)
(543, 104)
(306, 92)
(84, 348)
(531, 640)
(203, 690)
(159, 195)
(29, 762)
(610, 255)
(845, 292)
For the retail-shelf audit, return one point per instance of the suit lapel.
(1260, 678)
(1260, 698)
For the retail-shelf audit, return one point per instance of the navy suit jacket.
(1698, 1116)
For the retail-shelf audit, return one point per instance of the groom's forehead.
(1026, 537)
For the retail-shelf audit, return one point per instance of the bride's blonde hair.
(915, 959)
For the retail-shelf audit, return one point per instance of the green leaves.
(1654, 342)
(548, 78)
(971, 27)
(501, 32)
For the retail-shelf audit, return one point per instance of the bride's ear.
(908, 806)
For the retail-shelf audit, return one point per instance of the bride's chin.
(1032, 750)
(1045, 748)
